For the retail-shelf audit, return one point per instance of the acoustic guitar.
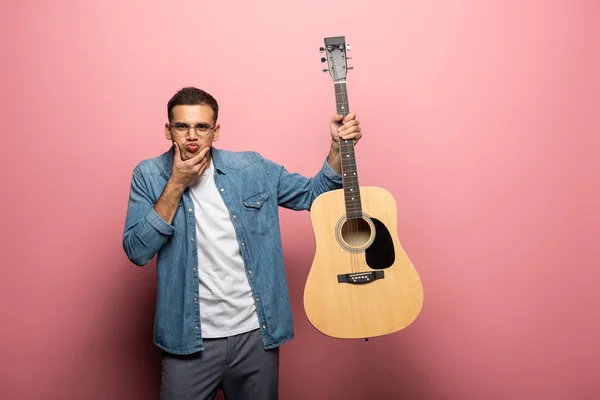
(361, 283)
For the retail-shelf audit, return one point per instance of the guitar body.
(355, 251)
(361, 283)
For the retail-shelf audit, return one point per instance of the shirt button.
(243, 244)
(196, 328)
(234, 216)
(249, 271)
(264, 327)
(195, 299)
(257, 299)
(194, 269)
(192, 239)
(189, 209)
(222, 190)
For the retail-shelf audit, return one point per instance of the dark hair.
(191, 96)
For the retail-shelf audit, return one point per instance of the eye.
(181, 126)
(203, 127)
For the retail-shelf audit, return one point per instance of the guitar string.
(351, 167)
(341, 107)
(353, 223)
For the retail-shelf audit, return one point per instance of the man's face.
(181, 129)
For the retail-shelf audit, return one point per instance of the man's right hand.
(184, 172)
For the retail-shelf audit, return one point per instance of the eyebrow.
(198, 123)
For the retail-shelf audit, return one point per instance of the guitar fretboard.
(349, 171)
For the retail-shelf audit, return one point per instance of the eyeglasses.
(201, 129)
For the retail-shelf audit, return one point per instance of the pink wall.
(482, 120)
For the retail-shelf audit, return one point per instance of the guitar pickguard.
(380, 254)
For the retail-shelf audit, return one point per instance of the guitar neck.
(348, 159)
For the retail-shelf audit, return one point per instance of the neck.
(348, 159)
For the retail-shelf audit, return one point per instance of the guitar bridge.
(360, 277)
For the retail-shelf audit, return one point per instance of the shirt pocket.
(258, 212)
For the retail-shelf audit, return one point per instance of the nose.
(191, 133)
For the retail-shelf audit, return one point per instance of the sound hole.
(356, 232)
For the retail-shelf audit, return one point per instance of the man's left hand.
(350, 129)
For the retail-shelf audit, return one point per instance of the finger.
(202, 154)
(177, 151)
(198, 157)
(352, 136)
(197, 169)
(202, 167)
(349, 124)
(356, 137)
(350, 130)
(336, 119)
(351, 116)
(348, 127)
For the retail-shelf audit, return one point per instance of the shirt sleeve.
(297, 192)
(145, 231)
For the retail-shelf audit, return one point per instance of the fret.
(353, 202)
(354, 215)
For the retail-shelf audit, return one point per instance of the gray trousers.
(238, 365)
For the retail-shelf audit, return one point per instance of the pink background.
(481, 119)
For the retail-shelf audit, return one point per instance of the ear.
(168, 132)
(217, 132)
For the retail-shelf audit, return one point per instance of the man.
(211, 217)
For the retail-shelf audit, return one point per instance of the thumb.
(336, 121)
(177, 151)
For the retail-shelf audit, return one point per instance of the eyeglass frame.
(196, 130)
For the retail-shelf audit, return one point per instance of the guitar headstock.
(335, 49)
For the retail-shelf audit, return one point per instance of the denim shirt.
(252, 188)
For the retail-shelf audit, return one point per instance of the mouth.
(192, 147)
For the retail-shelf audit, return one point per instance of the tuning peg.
(323, 59)
(350, 67)
(325, 70)
(321, 49)
(348, 47)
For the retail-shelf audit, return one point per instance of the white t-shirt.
(226, 302)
